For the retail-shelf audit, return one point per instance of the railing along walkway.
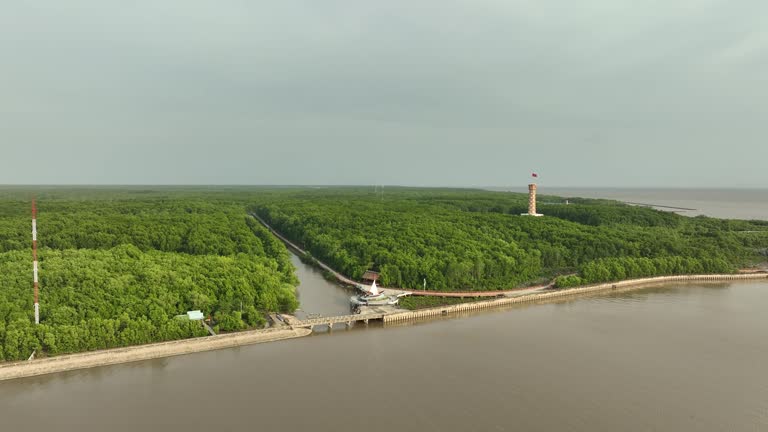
(330, 321)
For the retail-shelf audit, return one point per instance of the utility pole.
(34, 261)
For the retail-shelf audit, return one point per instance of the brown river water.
(675, 358)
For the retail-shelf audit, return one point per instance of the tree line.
(616, 269)
(464, 240)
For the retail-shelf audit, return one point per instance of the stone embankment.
(144, 352)
(187, 346)
(551, 295)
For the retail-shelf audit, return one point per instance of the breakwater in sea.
(144, 352)
(558, 294)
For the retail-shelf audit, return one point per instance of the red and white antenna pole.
(34, 260)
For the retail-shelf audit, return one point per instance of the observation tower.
(532, 199)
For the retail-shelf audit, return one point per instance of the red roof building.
(370, 276)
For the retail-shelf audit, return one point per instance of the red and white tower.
(34, 260)
(532, 199)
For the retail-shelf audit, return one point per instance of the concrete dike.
(187, 346)
(626, 285)
(144, 352)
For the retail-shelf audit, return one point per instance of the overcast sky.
(416, 92)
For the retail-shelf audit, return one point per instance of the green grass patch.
(414, 303)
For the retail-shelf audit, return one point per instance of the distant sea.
(720, 203)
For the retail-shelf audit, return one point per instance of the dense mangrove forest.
(464, 240)
(119, 265)
(117, 268)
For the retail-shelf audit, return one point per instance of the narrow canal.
(318, 296)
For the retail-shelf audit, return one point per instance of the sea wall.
(187, 346)
(144, 352)
(592, 289)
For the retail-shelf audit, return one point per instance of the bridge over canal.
(330, 321)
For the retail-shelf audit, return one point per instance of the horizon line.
(214, 185)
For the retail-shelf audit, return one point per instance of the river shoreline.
(91, 359)
(114, 356)
(548, 295)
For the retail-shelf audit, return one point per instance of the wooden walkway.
(399, 316)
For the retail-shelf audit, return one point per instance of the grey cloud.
(437, 93)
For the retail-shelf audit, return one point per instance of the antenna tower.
(34, 260)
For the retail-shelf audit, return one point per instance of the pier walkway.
(393, 316)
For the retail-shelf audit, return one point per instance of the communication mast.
(34, 260)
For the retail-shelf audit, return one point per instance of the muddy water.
(689, 358)
(720, 203)
(318, 296)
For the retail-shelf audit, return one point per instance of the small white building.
(194, 315)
